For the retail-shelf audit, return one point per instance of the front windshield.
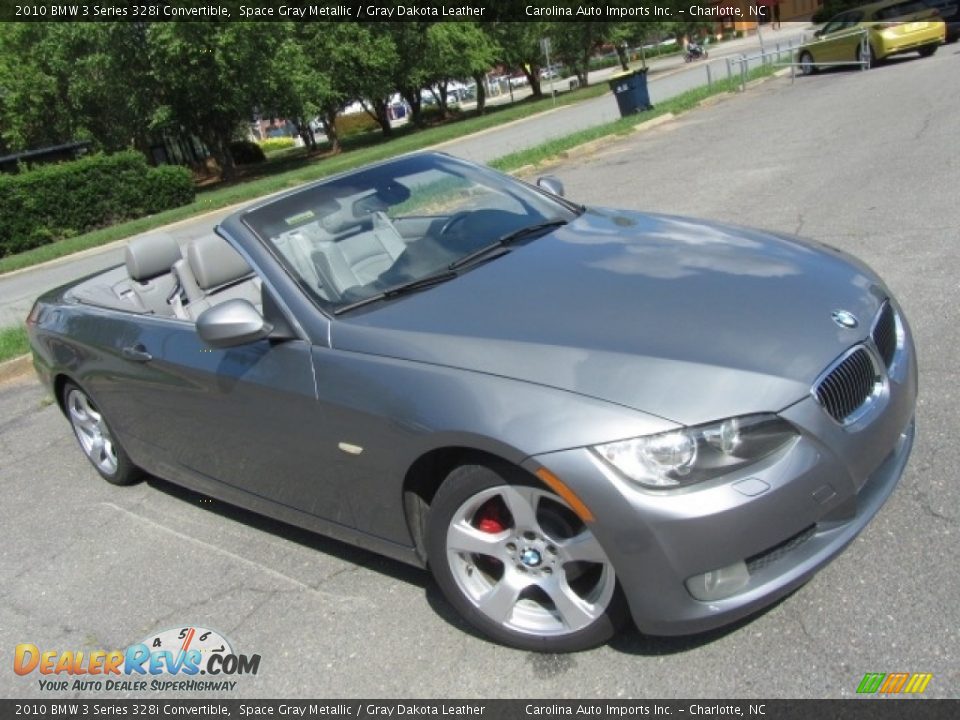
(359, 235)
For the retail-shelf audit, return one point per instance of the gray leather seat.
(359, 259)
(149, 260)
(220, 273)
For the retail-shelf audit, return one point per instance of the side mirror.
(235, 322)
(551, 184)
(818, 34)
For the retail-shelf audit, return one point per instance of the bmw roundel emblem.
(845, 318)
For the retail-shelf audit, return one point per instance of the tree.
(74, 81)
(301, 85)
(456, 51)
(519, 48)
(575, 44)
(210, 76)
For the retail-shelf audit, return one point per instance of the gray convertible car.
(571, 415)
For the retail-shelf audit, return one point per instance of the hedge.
(355, 123)
(53, 202)
(272, 145)
(245, 152)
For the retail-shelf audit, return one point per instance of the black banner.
(854, 709)
(382, 10)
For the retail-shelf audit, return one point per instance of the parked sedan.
(890, 27)
(571, 415)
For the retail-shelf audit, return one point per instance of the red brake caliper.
(489, 518)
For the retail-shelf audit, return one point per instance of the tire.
(96, 439)
(928, 50)
(806, 63)
(517, 563)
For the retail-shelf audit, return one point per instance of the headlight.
(695, 454)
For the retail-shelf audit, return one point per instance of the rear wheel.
(519, 565)
(96, 439)
(928, 50)
(806, 64)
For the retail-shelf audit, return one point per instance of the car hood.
(683, 319)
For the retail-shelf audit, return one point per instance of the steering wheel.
(455, 219)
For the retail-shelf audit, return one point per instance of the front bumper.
(785, 518)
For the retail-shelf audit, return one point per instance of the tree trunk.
(478, 78)
(306, 134)
(382, 116)
(442, 100)
(412, 96)
(622, 56)
(330, 125)
(533, 77)
(221, 151)
(583, 72)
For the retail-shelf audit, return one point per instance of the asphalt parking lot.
(867, 162)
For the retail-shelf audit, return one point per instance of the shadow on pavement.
(628, 641)
(321, 543)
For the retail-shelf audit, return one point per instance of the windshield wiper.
(505, 240)
(402, 289)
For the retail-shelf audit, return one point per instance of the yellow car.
(892, 27)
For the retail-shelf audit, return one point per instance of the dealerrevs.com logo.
(168, 661)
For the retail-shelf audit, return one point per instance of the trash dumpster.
(631, 90)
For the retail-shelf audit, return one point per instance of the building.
(761, 12)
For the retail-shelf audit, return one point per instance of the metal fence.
(781, 54)
(774, 58)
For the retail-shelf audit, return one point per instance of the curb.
(590, 146)
(15, 368)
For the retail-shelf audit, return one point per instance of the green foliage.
(355, 123)
(246, 153)
(13, 342)
(168, 186)
(52, 202)
(272, 145)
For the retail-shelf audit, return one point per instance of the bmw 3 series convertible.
(573, 416)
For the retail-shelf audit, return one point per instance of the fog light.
(719, 584)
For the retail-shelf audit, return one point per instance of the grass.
(13, 342)
(288, 169)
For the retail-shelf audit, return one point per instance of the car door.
(840, 38)
(245, 416)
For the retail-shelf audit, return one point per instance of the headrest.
(340, 220)
(215, 263)
(151, 255)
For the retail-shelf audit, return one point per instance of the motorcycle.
(695, 52)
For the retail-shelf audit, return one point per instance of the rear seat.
(149, 260)
(219, 273)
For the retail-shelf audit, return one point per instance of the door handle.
(137, 353)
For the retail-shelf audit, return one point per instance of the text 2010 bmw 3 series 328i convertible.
(571, 415)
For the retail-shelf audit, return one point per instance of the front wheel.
(96, 439)
(519, 565)
(806, 64)
(928, 50)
